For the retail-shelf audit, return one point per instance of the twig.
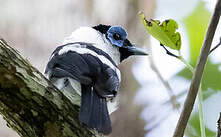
(168, 52)
(215, 46)
(192, 93)
(166, 84)
(219, 126)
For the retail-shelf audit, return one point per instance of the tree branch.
(170, 92)
(216, 46)
(192, 93)
(31, 105)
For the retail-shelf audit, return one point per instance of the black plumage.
(102, 28)
(94, 111)
(98, 81)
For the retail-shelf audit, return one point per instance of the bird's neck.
(89, 35)
(111, 50)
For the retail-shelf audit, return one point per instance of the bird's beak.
(132, 49)
(136, 51)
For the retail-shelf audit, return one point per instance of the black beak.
(129, 49)
(132, 49)
(136, 51)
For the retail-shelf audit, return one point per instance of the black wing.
(107, 83)
(70, 64)
(98, 81)
(85, 68)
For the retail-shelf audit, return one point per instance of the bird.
(87, 63)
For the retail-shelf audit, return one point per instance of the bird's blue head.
(117, 35)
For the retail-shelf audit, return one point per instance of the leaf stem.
(186, 63)
(202, 125)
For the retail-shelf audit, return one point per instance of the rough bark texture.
(31, 105)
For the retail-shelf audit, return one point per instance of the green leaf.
(210, 80)
(165, 32)
(211, 77)
(196, 24)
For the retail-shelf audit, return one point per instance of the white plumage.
(90, 35)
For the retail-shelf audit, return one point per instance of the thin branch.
(166, 84)
(194, 87)
(219, 126)
(215, 46)
(168, 52)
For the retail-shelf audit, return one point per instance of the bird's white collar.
(90, 35)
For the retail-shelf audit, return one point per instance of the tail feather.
(94, 112)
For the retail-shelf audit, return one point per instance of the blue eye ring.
(116, 35)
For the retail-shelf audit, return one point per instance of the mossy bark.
(31, 105)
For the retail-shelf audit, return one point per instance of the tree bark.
(31, 105)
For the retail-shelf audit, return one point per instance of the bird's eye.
(117, 36)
